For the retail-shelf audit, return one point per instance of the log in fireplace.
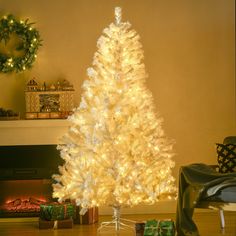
(25, 178)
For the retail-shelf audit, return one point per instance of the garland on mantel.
(29, 43)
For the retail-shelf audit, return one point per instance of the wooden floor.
(208, 225)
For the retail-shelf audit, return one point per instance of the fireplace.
(25, 178)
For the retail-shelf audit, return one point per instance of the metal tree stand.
(118, 224)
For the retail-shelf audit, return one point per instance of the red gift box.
(55, 224)
(90, 217)
(139, 228)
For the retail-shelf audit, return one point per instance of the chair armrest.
(214, 167)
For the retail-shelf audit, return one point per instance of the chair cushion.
(226, 156)
(225, 195)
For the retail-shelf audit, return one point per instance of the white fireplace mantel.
(32, 132)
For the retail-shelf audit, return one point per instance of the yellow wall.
(189, 56)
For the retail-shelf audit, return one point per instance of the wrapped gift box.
(139, 228)
(166, 228)
(151, 228)
(159, 228)
(56, 211)
(55, 224)
(90, 217)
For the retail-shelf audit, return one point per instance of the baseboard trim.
(162, 207)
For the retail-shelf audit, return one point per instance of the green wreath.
(23, 52)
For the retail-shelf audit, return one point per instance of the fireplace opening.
(23, 197)
(25, 178)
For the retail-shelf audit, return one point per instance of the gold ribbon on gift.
(93, 209)
(55, 225)
(81, 219)
(81, 214)
(65, 211)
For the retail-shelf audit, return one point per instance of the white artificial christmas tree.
(116, 153)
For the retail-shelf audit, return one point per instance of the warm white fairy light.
(115, 151)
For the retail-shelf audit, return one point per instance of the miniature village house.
(52, 101)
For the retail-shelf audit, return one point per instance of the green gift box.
(159, 228)
(151, 228)
(56, 211)
(166, 228)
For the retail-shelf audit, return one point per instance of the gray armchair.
(224, 199)
(201, 186)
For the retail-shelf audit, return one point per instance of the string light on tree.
(116, 153)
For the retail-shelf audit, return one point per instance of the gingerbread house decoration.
(49, 102)
(32, 85)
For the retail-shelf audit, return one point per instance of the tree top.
(118, 15)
